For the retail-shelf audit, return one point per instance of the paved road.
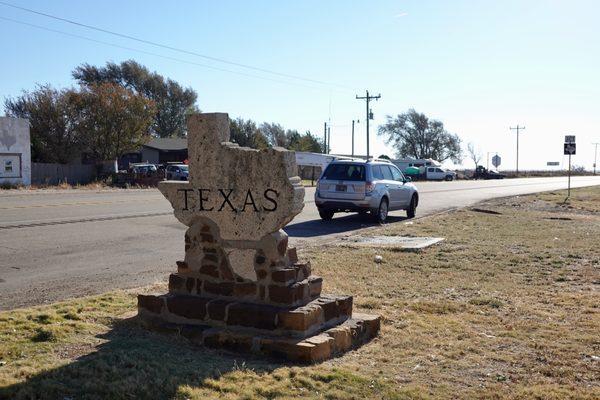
(61, 244)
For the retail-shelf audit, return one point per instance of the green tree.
(275, 134)
(112, 120)
(246, 134)
(415, 135)
(52, 120)
(307, 142)
(173, 102)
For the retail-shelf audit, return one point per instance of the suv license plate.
(340, 188)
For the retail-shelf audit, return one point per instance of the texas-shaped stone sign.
(239, 285)
(246, 192)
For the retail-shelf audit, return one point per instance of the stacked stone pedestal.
(281, 312)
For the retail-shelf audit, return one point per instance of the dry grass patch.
(507, 307)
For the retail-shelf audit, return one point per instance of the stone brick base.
(319, 346)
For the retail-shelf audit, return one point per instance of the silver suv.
(374, 186)
(177, 172)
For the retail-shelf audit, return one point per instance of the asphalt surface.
(60, 244)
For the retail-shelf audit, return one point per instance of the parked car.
(482, 173)
(437, 173)
(143, 169)
(374, 186)
(177, 172)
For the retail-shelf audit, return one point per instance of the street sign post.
(496, 161)
(569, 149)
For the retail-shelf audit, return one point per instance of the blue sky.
(478, 66)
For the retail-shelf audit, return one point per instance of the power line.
(159, 55)
(149, 42)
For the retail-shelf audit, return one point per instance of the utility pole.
(369, 113)
(518, 128)
(353, 140)
(595, 155)
(325, 138)
(358, 122)
(328, 139)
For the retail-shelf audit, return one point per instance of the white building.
(305, 159)
(15, 151)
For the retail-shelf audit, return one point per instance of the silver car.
(374, 186)
(177, 172)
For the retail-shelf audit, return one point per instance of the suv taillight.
(369, 187)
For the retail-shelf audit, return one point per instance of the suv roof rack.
(385, 160)
(344, 158)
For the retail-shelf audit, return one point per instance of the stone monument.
(240, 287)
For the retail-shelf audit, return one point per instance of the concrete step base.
(322, 313)
(351, 333)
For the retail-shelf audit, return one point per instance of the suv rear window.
(377, 174)
(345, 172)
(387, 173)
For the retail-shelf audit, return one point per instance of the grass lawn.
(506, 308)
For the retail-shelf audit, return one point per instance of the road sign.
(569, 149)
(496, 160)
(553, 163)
(569, 138)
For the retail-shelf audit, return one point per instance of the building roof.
(168, 144)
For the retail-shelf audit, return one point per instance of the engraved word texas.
(220, 200)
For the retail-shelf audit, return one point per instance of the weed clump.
(43, 335)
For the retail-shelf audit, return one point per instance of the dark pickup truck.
(482, 173)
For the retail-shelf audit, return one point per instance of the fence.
(54, 174)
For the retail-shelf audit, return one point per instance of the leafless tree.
(474, 154)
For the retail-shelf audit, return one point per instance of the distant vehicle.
(482, 173)
(375, 186)
(421, 163)
(177, 172)
(425, 168)
(144, 169)
(439, 174)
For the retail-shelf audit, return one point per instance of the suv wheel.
(412, 208)
(326, 215)
(382, 212)
(449, 177)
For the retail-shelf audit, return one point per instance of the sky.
(480, 67)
